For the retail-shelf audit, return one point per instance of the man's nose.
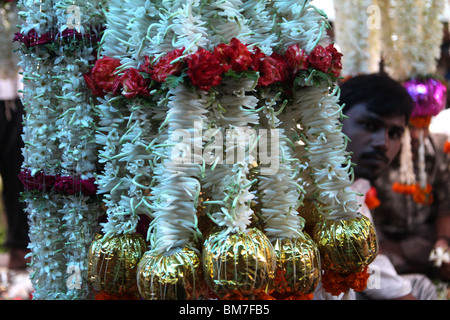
(380, 140)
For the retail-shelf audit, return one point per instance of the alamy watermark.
(74, 18)
(374, 17)
(231, 146)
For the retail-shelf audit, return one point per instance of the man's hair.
(380, 93)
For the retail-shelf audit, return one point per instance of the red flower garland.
(32, 38)
(206, 69)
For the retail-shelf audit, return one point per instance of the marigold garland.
(404, 188)
(420, 195)
(336, 283)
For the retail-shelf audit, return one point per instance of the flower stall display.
(192, 97)
(60, 154)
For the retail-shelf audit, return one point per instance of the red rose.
(204, 69)
(164, 67)
(320, 59)
(32, 38)
(66, 185)
(134, 84)
(257, 57)
(88, 187)
(271, 69)
(336, 65)
(102, 78)
(147, 66)
(234, 56)
(92, 85)
(296, 59)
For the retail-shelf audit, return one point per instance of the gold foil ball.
(176, 276)
(113, 264)
(311, 215)
(298, 265)
(346, 245)
(241, 263)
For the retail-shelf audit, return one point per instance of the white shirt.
(384, 283)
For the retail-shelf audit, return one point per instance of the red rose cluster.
(32, 38)
(60, 184)
(206, 69)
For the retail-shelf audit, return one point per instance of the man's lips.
(375, 157)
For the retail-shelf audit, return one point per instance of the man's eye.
(369, 126)
(395, 134)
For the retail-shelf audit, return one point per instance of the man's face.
(375, 140)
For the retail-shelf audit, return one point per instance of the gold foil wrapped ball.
(346, 245)
(239, 264)
(113, 264)
(298, 265)
(175, 276)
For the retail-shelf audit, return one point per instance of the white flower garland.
(262, 24)
(177, 190)
(124, 129)
(228, 182)
(406, 172)
(358, 43)
(41, 154)
(329, 162)
(407, 23)
(281, 195)
(300, 23)
(58, 139)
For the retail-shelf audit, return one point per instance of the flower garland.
(323, 64)
(59, 152)
(359, 45)
(201, 62)
(125, 127)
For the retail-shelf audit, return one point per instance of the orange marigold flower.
(420, 122)
(372, 200)
(423, 195)
(358, 281)
(336, 283)
(447, 147)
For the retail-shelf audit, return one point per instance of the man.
(409, 231)
(377, 111)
